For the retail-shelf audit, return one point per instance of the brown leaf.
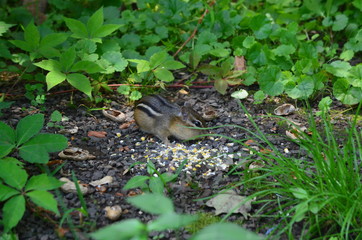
(125, 125)
(239, 64)
(97, 134)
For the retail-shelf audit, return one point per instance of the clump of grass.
(321, 191)
(204, 220)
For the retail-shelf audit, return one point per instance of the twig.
(195, 30)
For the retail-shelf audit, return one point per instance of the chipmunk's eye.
(197, 123)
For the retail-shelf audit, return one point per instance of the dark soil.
(124, 146)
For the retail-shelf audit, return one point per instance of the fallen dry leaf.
(239, 64)
(100, 134)
(228, 201)
(285, 109)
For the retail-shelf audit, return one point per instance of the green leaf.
(36, 150)
(152, 203)
(269, 81)
(22, 45)
(257, 54)
(56, 116)
(221, 85)
(124, 89)
(171, 220)
(248, 41)
(12, 174)
(124, 230)
(7, 139)
(347, 55)
(135, 95)
(105, 30)
(34, 154)
(77, 27)
(303, 90)
(44, 199)
(355, 78)
(284, 50)
(13, 211)
(163, 74)
(81, 83)
(142, 65)
(49, 65)
(28, 127)
(7, 192)
(229, 231)
(32, 35)
(338, 68)
(259, 96)
(172, 65)
(299, 193)
(211, 70)
(53, 39)
(43, 182)
(240, 94)
(340, 23)
(67, 58)
(220, 52)
(116, 59)
(300, 211)
(157, 58)
(156, 185)
(95, 22)
(87, 66)
(54, 78)
(135, 182)
(343, 91)
(4, 27)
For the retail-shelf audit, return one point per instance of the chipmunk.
(155, 115)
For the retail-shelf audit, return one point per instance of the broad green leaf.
(338, 68)
(135, 182)
(81, 83)
(302, 90)
(54, 78)
(299, 193)
(78, 28)
(105, 30)
(53, 39)
(259, 96)
(221, 85)
(248, 41)
(211, 70)
(284, 50)
(340, 23)
(269, 81)
(355, 78)
(7, 192)
(95, 22)
(28, 127)
(44, 199)
(156, 185)
(116, 59)
(49, 65)
(67, 59)
(152, 203)
(50, 142)
(314, 6)
(300, 211)
(7, 139)
(4, 27)
(347, 55)
(171, 220)
(13, 174)
(168, 177)
(124, 89)
(257, 54)
(220, 52)
(229, 231)
(172, 65)
(324, 104)
(157, 58)
(13, 211)
(142, 65)
(22, 45)
(56, 116)
(48, 52)
(358, 4)
(87, 66)
(135, 95)
(343, 91)
(34, 154)
(124, 230)
(163, 74)
(32, 35)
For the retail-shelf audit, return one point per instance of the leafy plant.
(33, 146)
(35, 93)
(316, 189)
(55, 118)
(156, 184)
(16, 188)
